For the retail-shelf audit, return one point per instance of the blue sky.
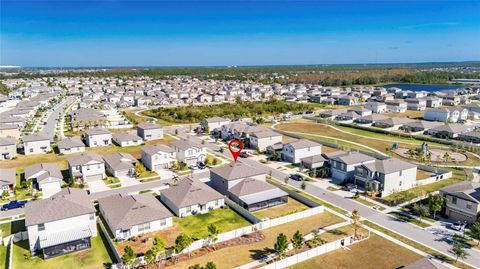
(198, 33)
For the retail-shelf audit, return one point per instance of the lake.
(424, 87)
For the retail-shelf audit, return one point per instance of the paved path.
(49, 128)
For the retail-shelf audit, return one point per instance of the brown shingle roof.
(190, 192)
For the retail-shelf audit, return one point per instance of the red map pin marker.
(235, 153)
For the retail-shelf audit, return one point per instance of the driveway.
(165, 173)
(128, 181)
(97, 186)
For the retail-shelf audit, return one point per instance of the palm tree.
(356, 222)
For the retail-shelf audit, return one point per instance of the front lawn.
(363, 255)
(292, 206)
(98, 256)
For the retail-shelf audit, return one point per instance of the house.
(362, 112)
(387, 176)
(371, 119)
(188, 151)
(149, 131)
(463, 201)
(425, 263)
(8, 148)
(347, 100)
(36, 144)
(98, 137)
(8, 180)
(9, 130)
(392, 123)
(213, 123)
(120, 164)
(331, 114)
(347, 116)
(87, 166)
(433, 101)
(70, 145)
(396, 106)
(419, 126)
(295, 151)
(472, 136)
(246, 186)
(60, 224)
(313, 162)
(376, 107)
(46, 177)
(156, 157)
(446, 114)
(263, 139)
(126, 139)
(343, 164)
(416, 104)
(191, 196)
(449, 130)
(133, 215)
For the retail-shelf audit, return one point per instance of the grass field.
(292, 206)
(363, 255)
(96, 257)
(12, 227)
(413, 114)
(3, 256)
(238, 255)
(422, 174)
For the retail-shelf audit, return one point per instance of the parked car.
(458, 225)
(350, 187)
(13, 205)
(243, 154)
(201, 165)
(296, 177)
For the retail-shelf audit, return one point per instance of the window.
(469, 205)
(31, 150)
(400, 183)
(216, 202)
(400, 175)
(163, 222)
(188, 209)
(92, 216)
(144, 227)
(454, 200)
(41, 227)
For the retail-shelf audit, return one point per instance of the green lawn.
(409, 219)
(12, 227)
(368, 203)
(292, 206)
(224, 218)
(98, 256)
(3, 256)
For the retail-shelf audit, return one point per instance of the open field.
(195, 226)
(361, 256)
(238, 255)
(96, 257)
(413, 114)
(291, 207)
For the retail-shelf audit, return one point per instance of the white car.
(458, 225)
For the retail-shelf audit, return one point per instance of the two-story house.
(132, 215)
(263, 139)
(188, 151)
(156, 157)
(386, 176)
(190, 196)
(295, 151)
(60, 224)
(376, 107)
(97, 137)
(8, 148)
(396, 106)
(149, 131)
(87, 166)
(213, 123)
(463, 201)
(36, 144)
(342, 164)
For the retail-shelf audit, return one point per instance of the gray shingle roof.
(8, 176)
(153, 149)
(190, 192)
(388, 166)
(125, 136)
(7, 141)
(67, 203)
(84, 158)
(353, 158)
(467, 190)
(250, 186)
(48, 169)
(148, 126)
(96, 131)
(70, 142)
(185, 144)
(120, 161)
(303, 143)
(35, 137)
(235, 170)
(126, 211)
(452, 128)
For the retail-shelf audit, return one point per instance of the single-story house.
(120, 164)
(36, 144)
(71, 145)
(126, 139)
(449, 130)
(213, 123)
(46, 177)
(149, 131)
(313, 162)
(392, 123)
(419, 126)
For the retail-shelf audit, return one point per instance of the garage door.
(93, 178)
(160, 166)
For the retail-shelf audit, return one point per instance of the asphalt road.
(49, 128)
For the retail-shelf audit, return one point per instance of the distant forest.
(326, 75)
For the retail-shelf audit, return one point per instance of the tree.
(356, 222)
(297, 240)
(215, 161)
(435, 202)
(281, 245)
(140, 168)
(474, 231)
(420, 210)
(221, 150)
(207, 130)
(303, 186)
(458, 251)
(129, 256)
(446, 157)
(158, 245)
(196, 266)
(150, 257)
(182, 242)
(213, 232)
(210, 265)
(175, 179)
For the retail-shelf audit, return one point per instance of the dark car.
(244, 154)
(13, 205)
(296, 177)
(201, 165)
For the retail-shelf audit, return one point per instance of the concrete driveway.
(128, 181)
(97, 186)
(165, 173)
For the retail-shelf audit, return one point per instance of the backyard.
(98, 256)
(361, 255)
(292, 206)
(195, 226)
(241, 254)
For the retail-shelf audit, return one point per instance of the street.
(49, 127)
